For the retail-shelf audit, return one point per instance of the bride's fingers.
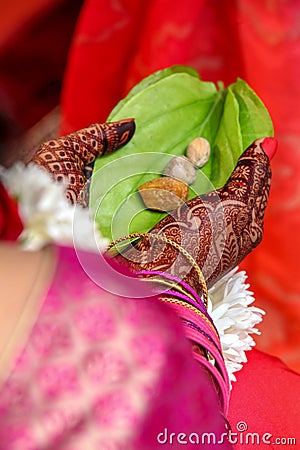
(217, 229)
(243, 200)
(67, 156)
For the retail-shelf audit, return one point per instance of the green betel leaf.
(172, 107)
(148, 81)
(254, 118)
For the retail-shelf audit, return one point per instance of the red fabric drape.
(10, 223)
(265, 401)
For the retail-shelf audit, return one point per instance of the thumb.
(66, 157)
(100, 139)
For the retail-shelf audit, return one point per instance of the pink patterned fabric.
(104, 372)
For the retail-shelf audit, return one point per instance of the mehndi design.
(67, 157)
(217, 229)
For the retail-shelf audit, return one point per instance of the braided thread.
(177, 247)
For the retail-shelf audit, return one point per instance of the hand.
(67, 158)
(217, 229)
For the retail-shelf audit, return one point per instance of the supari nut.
(181, 168)
(198, 151)
(164, 193)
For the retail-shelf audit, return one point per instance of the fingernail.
(269, 145)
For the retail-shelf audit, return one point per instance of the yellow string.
(173, 244)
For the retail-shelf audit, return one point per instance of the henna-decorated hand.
(66, 158)
(217, 229)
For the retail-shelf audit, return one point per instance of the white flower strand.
(46, 213)
(48, 216)
(235, 320)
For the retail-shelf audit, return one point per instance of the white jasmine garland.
(48, 216)
(235, 320)
(46, 213)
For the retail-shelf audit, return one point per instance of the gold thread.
(187, 306)
(171, 285)
(175, 245)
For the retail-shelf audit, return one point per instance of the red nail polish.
(269, 145)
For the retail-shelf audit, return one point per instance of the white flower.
(234, 319)
(46, 214)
